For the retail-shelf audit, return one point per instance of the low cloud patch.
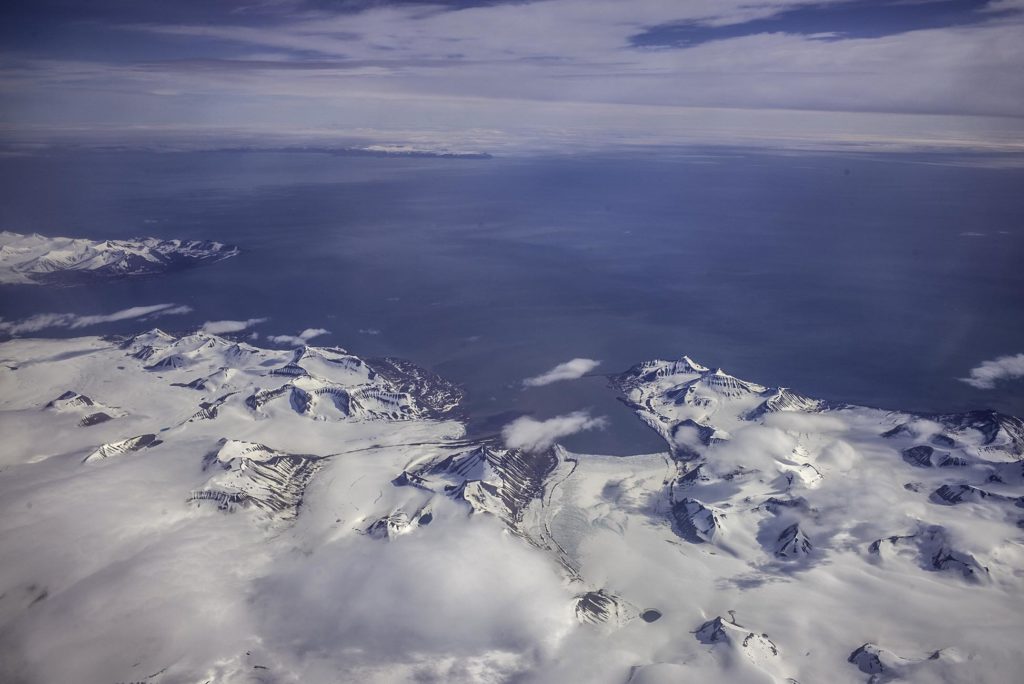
(536, 435)
(986, 375)
(302, 338)
(570, 370)
(66, 320)
(221, 327)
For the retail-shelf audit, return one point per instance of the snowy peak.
(697, 521)
(602, 607)
(666, 394)
(252, 475)
(784, 399)
(792, 543)
(931, 548)
(398, 523)
(124, 446)
(882, 665)
(652, 371)
(91, 412)
(753, 648)
(729, 385)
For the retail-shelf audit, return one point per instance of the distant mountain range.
(37, 259)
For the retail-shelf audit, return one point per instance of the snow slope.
(247, 515)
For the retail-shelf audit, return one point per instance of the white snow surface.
(34, 259)
(255, 515)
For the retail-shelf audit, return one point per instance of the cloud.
(300, 339)
(221, 327)
(66, 320)
(989, 373)
(570, 370)
(537, 435)
(416, 600)
(542, 74)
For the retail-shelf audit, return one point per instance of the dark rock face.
(275, 485)
(867, 660)
(776, 505)
(792, 543)
(70, 399)
(920, 456)
(712, 631)
(430, 391)
(523, 476)
(721, 631)
(951, 495)
(696, 522)
(94, 419)
(124, 446)
(786, 399)
(460, 467)
(599, 607)
(924, 456)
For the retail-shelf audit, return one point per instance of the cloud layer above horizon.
(507, 76)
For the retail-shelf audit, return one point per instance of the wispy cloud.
(549, 74)
(66, 320)
(536, 435)
(221, 327)
(570, 370)
(300, 339)
(986, 375)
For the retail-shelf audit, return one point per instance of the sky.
(511, 76)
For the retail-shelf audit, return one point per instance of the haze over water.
(876, 281)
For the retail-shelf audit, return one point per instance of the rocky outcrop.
(123, 446)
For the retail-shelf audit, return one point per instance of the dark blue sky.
(864, 19)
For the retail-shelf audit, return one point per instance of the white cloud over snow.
(221, 327)
(986, 375)
(570, 370)
(300, 339)
(536, 435)
(456, 588)
(65, 320)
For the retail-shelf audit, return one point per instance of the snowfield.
(36, 259)
(195, 509)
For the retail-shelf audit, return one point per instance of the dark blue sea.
(874, 280)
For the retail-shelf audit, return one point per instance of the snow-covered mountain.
(36, 259)
(243, 514)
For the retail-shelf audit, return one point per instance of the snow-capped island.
(36, 259)
(193, 508)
